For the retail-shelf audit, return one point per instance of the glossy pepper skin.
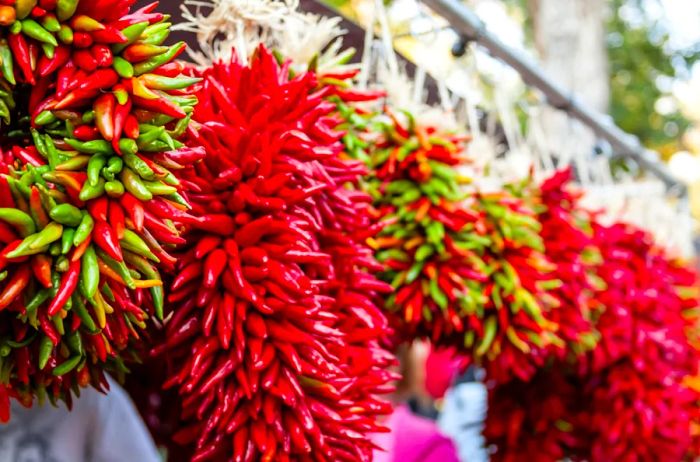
(274, 337)
(81, 254)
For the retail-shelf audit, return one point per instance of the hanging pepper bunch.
(513, 317)
(274, 334)
(87, 197)
(535, 417)
(639, 405)
(570, 246)
(629, 398)
(455, 260)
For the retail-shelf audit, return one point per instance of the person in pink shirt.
(412, 438)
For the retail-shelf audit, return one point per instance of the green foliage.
(641, 66)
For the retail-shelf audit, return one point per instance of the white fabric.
(101, 428)
(462, 419)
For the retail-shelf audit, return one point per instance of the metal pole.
(468, 24)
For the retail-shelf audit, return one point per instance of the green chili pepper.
(149, 134)
(128, 146)
(150, 272)
(34, 30)
(75, 343)
(7, 67)
(135, 186)
(84, 229)
(49, 50)
(156, 36)
(29, 339)
(67, 240)
(45, 351)
(119, 267)
(123, 67)
(95, 165)
(39, 143)
(159, 82)
(114, 188)
(82, 312)
(155, 62)
(136, 164)
(92, 192)
(158, 188)
(74, 163)
(90, 272)
(154, 146)
(107, 292)
(67, 366)
(90, 147)
(65, 35)
(62, 264)
(55, 249)
(132, 33)
(88, 117)
(65, 9)
(115, 164)
(178, 199)
(51, 233)
(50, 23)
(20, 220)
(132, 242)
(66, 214)
(58, 322)
(38, 298)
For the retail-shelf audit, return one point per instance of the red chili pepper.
(86, 133)
(84, 60)
(69, 282)
(41, 266)
(102, 54)
(213, 267)
(116, 218)
(105, 238)
(160, 106)
(135, 209)
(98, 208)
(14, 287)
(121, 112)
(20, 52)
(49, 66)
(104, 115)
(48, 329)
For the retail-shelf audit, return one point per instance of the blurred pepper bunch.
(467, 268)
(92, 107)
(627, 398)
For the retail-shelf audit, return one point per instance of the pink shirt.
(413, 439)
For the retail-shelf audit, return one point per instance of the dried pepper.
(274, 337)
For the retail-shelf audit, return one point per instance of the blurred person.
(100, 428)
(463, 415)
(411, 437)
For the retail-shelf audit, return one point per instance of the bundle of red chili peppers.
(467, 269)
(627, 399)
(274, 336)
(92, 107)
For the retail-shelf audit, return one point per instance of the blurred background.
(637, 60)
